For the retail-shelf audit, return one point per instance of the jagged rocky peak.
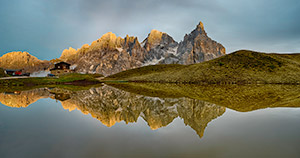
(198, 31)
(198, 47)
(130, 42)
(111, 42)
(200, 28)
(153, 39)
(108, 41)
(111, 54)
(156, 38)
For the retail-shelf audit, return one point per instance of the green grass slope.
(241, 67)
(68, 79)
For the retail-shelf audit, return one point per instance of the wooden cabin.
(61, 68)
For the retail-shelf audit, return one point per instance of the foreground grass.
(35, 82)
(241, 98)
(241, 67)
(2, 73)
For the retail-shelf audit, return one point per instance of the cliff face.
(111, 54)
(22, 60)
(195, 48)
(108, 55)
(159, 46)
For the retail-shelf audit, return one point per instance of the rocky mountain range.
(111, 54)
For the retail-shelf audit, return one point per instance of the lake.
(151, 120)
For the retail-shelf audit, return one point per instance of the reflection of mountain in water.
(24, 98)
(110, 105)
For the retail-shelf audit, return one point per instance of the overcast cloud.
(44, 28)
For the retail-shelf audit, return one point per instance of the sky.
(45, 28)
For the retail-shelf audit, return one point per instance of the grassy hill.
(241, 67)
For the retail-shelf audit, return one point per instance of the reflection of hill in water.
(237, 97)
(110, 105)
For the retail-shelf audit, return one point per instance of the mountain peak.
(153, 39)
(68, 52)
(200, 26)
(18, 54)
(154, 31)
(21, 60)
(199, 30)
(108, 36)
(154, 36)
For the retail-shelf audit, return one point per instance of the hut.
(61, 68)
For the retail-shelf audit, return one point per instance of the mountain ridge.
(111, 54)
(103, 55)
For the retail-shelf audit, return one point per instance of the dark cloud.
(45, 28)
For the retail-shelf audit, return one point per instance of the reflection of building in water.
(62, 96)
(110, 105)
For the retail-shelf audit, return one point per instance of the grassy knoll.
(241, 67)
(237, 97)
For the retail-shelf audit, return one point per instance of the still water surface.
(109, 122)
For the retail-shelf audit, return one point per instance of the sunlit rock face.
(108, 55)
(24, 98)
(68, 53)
(111, 54)
(23, 60)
